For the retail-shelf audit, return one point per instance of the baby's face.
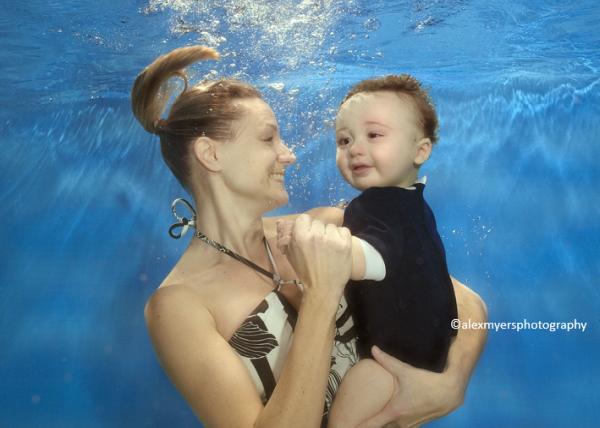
(376, 138)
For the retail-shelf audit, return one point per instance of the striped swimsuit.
(264, 339)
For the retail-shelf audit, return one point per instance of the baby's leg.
(365, 389)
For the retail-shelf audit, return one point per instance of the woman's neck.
(235, 223)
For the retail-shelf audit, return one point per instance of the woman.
(221, 141)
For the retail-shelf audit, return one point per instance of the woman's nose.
(286, 156)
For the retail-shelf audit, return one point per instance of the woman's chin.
(278, 201)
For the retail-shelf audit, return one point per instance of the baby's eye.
(343, 141)
(374, 135)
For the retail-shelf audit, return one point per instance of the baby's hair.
(403, 84)
(203, 110)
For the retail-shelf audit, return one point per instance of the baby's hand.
(284, 234)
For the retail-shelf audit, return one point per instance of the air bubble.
(278, 86)
(372, 24)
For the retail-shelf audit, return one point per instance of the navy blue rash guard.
(408, 314)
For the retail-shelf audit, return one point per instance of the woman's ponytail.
(204, 110)
(151, 89)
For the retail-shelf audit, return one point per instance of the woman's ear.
(205, 151)
(423, 151)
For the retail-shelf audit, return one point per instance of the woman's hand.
(284, 234)
(320, 254)
(419, 395)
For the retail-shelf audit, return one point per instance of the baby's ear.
(423, 151)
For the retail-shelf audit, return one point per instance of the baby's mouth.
(360, 169)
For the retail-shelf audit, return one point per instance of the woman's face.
(254, 161)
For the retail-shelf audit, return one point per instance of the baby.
(400, 294)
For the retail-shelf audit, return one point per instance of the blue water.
(85, 197)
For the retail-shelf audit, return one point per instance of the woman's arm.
(210, 375)
(212, 378)
(285, 226)
(421, 395)
(327, 215)
(199, 362)
(320, 255)
(468, 345)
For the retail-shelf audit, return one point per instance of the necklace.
(186, 223)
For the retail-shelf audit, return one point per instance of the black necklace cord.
(185, 224)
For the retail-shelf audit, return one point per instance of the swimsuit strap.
(185, 224)
(275, 276)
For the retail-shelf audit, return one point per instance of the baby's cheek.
(340, 164)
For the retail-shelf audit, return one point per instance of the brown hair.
(206, 109)
(409, 86)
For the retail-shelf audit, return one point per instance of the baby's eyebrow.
(374, 122)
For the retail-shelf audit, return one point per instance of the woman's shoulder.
(173, 297)
(182, 293)
(169, 290)
(218, 298)
(172, 314)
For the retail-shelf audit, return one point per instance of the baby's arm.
(367, 263)
(358, 260)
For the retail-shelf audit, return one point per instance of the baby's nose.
(356, 148)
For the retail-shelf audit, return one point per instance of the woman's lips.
(361, 170)
(278, 176)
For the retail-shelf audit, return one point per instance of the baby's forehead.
(379, 97)
(380, 103)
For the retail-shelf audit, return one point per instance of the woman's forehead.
(257, 117)
(258, 112)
